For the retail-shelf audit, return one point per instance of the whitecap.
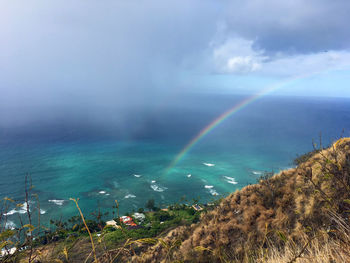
(158, 188)
(130, 196)
(209, 164)
(57, 202)
(10, 225)
(153, 181)
(230, 180)
(102, 192)
(42, 211)
(108, 194)
(213, 192)
(257, 172)
(11, 212)
(189, 175)
(208, 186)
(21, 210)
(137, 175)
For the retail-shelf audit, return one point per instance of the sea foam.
(21, 210)
(57, 202)
(129, 196)
(213, 192)
(10, 225)
(157, 188)
(209, 164)
(230, 180)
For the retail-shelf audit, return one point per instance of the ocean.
(107, 159)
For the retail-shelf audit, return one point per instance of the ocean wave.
(209, 164)
(257, 172)
(42, 211)
(208, 186)
(213, 192)
(189, 175)
(21, 210)
(137, 175)
(57, 202)
(153, 181)
(102, 192)
(10, 225)
(157, 188)
(129, 196)
(11, 212)
(230, 180)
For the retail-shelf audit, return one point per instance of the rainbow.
(243, 104)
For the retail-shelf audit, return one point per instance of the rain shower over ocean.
(133, 161)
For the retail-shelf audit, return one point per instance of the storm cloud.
(91, 55)
(280, 38)
(92, 58)
(291, 26)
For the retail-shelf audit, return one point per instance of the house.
(139, 216)
(127, 220)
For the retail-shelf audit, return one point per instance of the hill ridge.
(284, 212)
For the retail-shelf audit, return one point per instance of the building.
(127, 220)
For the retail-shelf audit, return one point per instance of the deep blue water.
(80, 158)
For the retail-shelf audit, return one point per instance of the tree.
(150, 204)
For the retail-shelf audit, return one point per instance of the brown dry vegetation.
(297, 215)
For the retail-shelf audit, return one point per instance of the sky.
(69, 56)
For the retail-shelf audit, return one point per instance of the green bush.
(108, 229)
(162, 216)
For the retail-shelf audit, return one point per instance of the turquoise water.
(103, 163)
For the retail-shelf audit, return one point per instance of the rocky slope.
(285, 217)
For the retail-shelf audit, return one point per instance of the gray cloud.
(291, 26)
(282, 38)
(87, 58)
(91, 55)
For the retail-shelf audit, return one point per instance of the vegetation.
(298, 215)
(88, 240)
(287, 217)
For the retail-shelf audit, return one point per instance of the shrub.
(162, 216)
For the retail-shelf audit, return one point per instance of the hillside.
(299, 215)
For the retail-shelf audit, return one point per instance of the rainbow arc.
(224, 116)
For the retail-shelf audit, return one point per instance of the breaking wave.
(230, 180)
(157, 188)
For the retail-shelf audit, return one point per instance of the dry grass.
(320, 249)
(298, 215)
(285, 218)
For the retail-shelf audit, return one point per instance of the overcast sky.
(113, 52)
